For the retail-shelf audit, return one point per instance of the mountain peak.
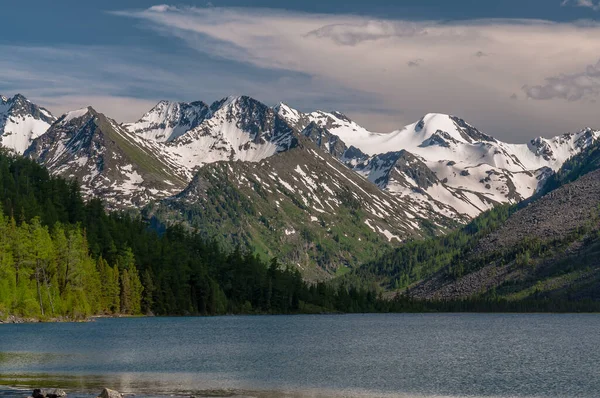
(162, 103)
(106, 158)
(245, 108)
(168, 120)
(230, 100)
(234, 98)
(77, 114)
(19, 97)
(240, 102)
(21, 121)
(291, 115)
(432, 126)
(282, 107)
(341, 116)
(224, 102)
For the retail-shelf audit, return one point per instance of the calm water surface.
(458, 355)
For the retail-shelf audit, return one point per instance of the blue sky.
(516, 69)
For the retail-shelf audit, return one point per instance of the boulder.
(48, 393)
(107, 393)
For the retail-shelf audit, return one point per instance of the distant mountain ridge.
(467, 170)
(419, 180)
(473, 171)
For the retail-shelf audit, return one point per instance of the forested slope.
(61, 256)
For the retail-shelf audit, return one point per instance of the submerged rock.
(107, 393)
(48, 393)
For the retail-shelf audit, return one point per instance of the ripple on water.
(400, 355)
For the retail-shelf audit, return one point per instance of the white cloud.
(162, 8)
(593, 4)
(375, 59)
(383, 73)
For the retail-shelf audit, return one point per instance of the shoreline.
(17, 320)
(14, 319)
(29, 392)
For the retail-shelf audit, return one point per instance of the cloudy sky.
(514, 68)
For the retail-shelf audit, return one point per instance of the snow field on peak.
(224, 142)
(20, 123)
(19, 132)
(76, 114)
(168, 120)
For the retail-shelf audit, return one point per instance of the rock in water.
(48, 393)
(107, 393)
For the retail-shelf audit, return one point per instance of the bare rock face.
(108, 393)
(48, 393)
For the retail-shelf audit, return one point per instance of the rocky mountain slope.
(108, 161)
(439, 162)
(300, 205)
(21, 121)
(543, 249)
(234, 129)
(547, 249)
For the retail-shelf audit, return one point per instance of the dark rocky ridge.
(553, 216)
(557, 220)
(20, 106)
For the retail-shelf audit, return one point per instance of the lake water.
(457, 355)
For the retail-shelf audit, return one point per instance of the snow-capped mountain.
(439, 169)
(108, 161)
(21, 121)
(235, 129)
(169, 120)
(470, 171)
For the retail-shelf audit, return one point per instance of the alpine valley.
(314, 189)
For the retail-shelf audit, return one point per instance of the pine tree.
(7, 273)
(43, 254)
(126, 306)
(148, 294)
(136, 291)
(109, 287)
